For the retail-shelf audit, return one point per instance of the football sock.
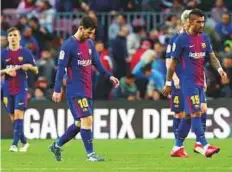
(183, 130)
(70, 133)
(198, 130)
(176, 122)
(87, 140)
(18, 129)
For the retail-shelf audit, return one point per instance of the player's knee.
(203, 107)
(179, 115)
(18, 114)
(196, 115)
(86, 122)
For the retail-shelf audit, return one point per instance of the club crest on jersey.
(90, 51)
(203, 45)
(20, 58)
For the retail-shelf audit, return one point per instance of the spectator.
(28, 41)
(41, 35)
(218, 10)
(47, 66)
(4, 41)
(138, 54)
(133, 40)
(104, 86)
(119, 53)
(26, 6)
(23, 21)
(99, 32)
(39, 95)
(153, 36)
(172, 24)
(177, 8)
(224, 28)
(114, 27)
(127, 89)
(46, 15)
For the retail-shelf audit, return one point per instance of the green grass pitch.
(121, 156)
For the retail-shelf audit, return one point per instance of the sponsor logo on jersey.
(12, 66)
(84, 62)
(199, 55)
(20, 58)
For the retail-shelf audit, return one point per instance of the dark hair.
(12, 29)
(34, 19)
(147, 67)
(130, 76)
(88, 22)
(196, 12)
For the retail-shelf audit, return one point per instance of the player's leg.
(195, 110)
(84, 106)
(197, 146)
(177, 106)
(8, 101)
(70, 132)
(20, 106)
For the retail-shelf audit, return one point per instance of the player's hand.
(56, 97)
(223, 75)
(115, 81)
(11, 72)
(166, 90)
(26, 67)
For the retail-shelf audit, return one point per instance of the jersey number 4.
(176, 100)
(83, 103)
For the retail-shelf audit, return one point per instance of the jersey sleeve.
(169, 47)
(30, 58)
(3, 64)
(209, 48)
(177, 48)
(64, 57)
(96, 61)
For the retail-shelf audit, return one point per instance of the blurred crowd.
(128, 49)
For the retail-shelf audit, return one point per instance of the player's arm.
(176, 54)
(30, 63)
(97, 64)
(64, 57)
(214, 60)
(168, 61)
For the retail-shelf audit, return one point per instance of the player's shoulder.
(25, 50)
(4, 51)
(90, 41)
(204, 34)
(69, 42)
(181, 37)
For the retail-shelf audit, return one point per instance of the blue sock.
(203, 122)
(175, 125)
(23, 139)
(87, 139)
(70, 133)
(18, 129)
(198, 130)
(183, 130)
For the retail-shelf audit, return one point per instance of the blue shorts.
(194, 96)
(177, 100)
(80, 107)
(15, 102)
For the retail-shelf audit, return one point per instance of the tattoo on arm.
(214, 61)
